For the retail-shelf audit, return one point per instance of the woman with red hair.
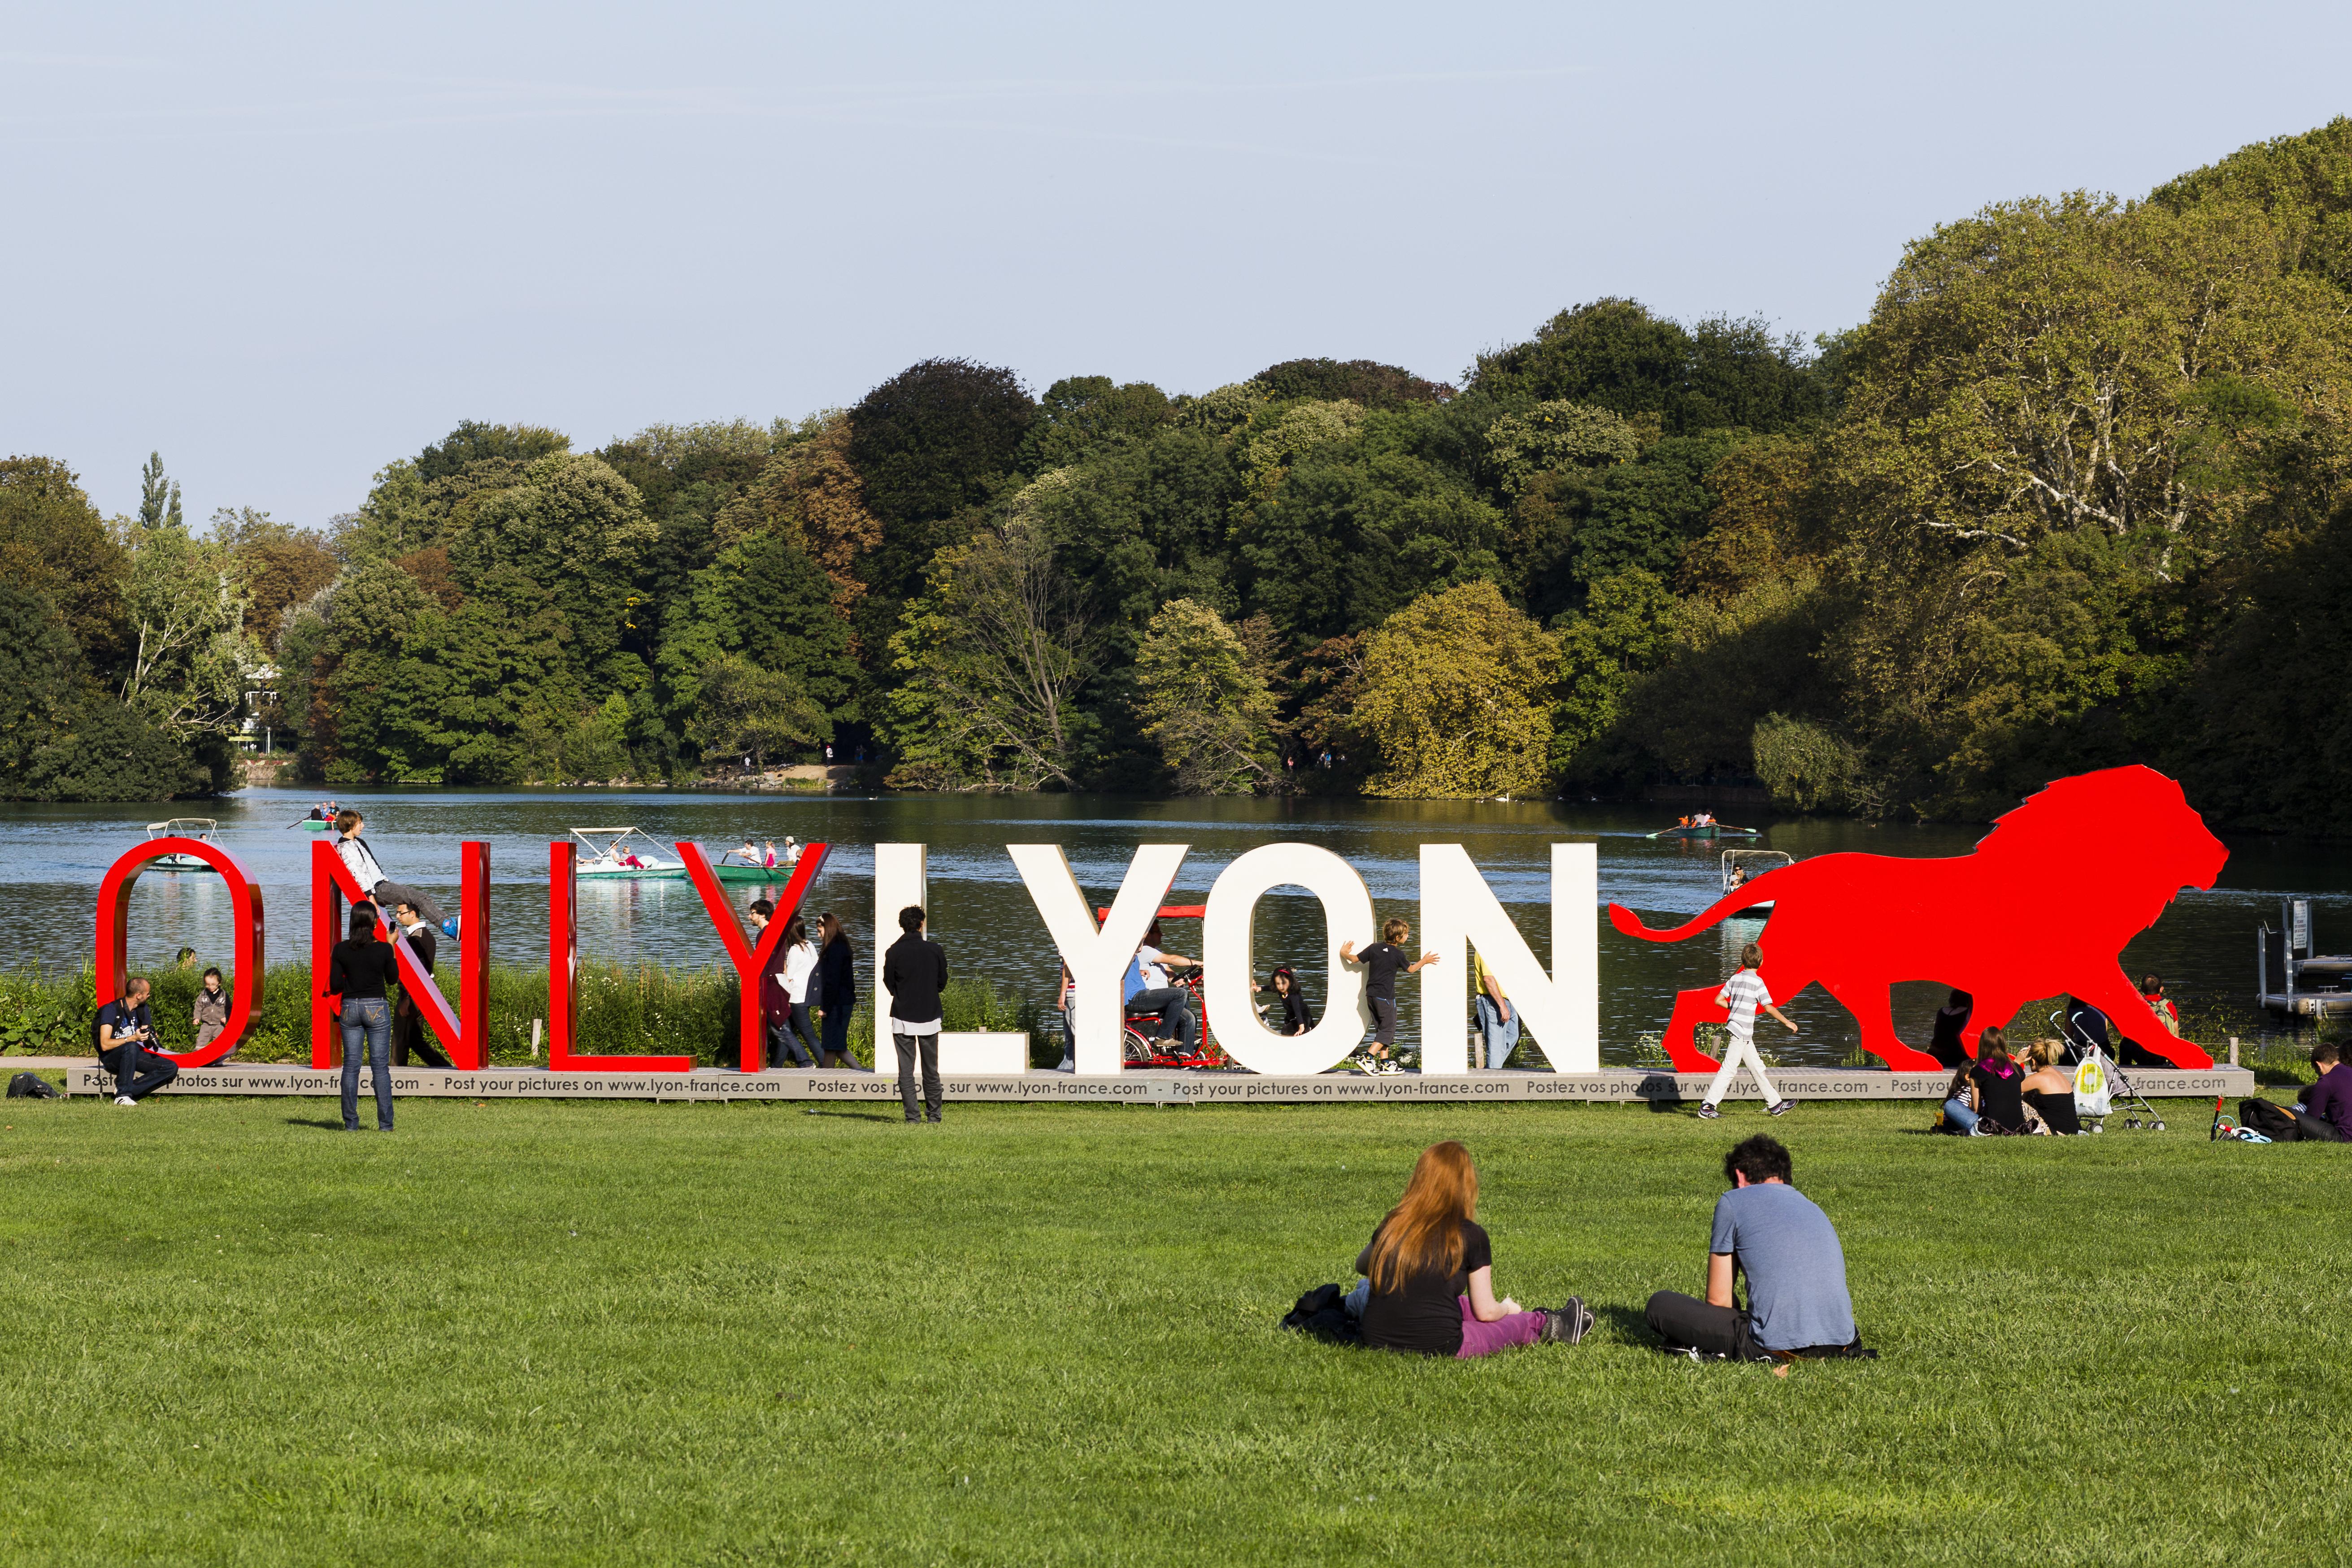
(1432, 1272)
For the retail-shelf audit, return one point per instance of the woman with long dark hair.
(1994, 1084)
(1431, 1270)
(358, 972)
(837, 990)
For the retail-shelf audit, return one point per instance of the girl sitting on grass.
(1993, 1086)
(1432, 1272)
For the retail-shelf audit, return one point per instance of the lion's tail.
(1731, 903)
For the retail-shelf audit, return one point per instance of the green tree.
(994, 659)
(1206, 702)
(190, 657)
(1365, 383)
(745, 709)
(1081, 415)
(1622, 631)
(53, 542)
(41, 687)
(931, 446)
(159, 496)
(1457, 694)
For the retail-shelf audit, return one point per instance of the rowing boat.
(1709, 833)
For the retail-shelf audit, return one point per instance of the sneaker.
(1707, 1112)
(1566, 1324)
(1069, 1064)
(1781, 1108)
(1385, 1067)
(124, 1100)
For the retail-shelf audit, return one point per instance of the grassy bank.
(626, 1333)
(623, 1011)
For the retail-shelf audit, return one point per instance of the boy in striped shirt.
(1743, 993)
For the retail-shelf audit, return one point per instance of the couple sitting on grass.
(1429, 1273)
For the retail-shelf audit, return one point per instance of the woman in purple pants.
(1432, 1272)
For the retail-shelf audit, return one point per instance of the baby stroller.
(2098, 1078)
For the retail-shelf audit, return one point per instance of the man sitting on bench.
(125, 1030)
(1764, 1227)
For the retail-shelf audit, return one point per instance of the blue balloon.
(449, 926)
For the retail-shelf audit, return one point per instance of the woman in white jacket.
(799, 967)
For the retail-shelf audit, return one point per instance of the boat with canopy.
(1741, 867)
(201, 827)
(623, 855)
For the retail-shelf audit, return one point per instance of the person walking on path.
(125, 1030)
(211, 1011)
(407, 1023)
(1744, 993)
(837, 990)
(914, 971)
(354, 852)
(358, 972)
(800, 968)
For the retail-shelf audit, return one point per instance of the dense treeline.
(2073, 495)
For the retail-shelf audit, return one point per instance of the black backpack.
(30, 1085)
(2271, 1121)
(1322, 1312)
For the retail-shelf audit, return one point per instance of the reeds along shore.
(642, 1011)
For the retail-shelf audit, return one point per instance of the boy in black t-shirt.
(1383, 960)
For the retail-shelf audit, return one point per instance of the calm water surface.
(52, 858)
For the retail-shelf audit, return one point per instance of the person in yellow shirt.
(1498, 1021)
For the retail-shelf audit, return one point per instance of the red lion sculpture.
(2043, 904)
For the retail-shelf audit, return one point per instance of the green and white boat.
(623, 855)
(199, 827)
(728, 871)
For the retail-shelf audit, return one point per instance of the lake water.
(52, 858)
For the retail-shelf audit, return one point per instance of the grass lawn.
(705, 1334)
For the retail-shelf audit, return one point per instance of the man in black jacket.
(407, 1023)
(913, 972)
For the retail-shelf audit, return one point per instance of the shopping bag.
(2092, 1090)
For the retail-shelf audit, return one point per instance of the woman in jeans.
(358, 972)
(1431, 1271)
(1960, 1116)
(800, 968)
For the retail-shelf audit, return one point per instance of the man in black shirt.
(1383, 962)
(408, 1024)
(913, 972)
(124, 1031)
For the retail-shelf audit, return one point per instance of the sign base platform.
(1160, 1088)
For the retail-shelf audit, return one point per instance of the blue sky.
(284, 245)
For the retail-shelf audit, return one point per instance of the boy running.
(1743, 993)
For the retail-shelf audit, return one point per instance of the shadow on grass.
(1626, 1323)
(314, 1121)
(859, 1115)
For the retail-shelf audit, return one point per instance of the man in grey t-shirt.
(1768, 1230)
